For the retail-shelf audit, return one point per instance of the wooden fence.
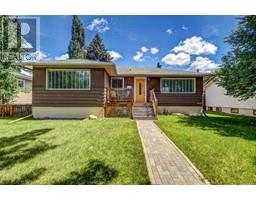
(12, 110)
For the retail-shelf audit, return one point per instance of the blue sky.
(181, 42)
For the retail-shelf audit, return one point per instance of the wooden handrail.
(154, 101)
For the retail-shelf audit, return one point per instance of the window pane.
(193, 85)
(86, 80)
(49, 79)
(64, 79)
(57, 80)
(73, 85)
(117, 82)
(54, 79)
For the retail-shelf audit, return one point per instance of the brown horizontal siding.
(178, 100)
(68, 98)
(171, 99)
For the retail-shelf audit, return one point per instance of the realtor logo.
(20, 33)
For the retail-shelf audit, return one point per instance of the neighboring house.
(77, 88)
(25, 94)
(216, 99)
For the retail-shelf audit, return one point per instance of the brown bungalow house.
(79, 88)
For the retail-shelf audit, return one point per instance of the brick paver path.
(166, 163)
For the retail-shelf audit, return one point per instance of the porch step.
(143, 112)
(142, 104)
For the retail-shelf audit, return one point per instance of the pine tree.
(97, 50)
(158, 65)
(8, 82)
(76, 48)
(238, 70)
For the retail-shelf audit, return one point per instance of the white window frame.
(178, 79)
(117, 78)
(46, 83)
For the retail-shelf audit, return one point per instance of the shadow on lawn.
(27, 136)
(26, 178)
(22, 149)
(234, 126)
(95, 173)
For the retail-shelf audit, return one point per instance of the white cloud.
(99, 24)
(144, 49)
(195, 46)
(62, 57)
(38, 55)
(176, 59)
(184, 28)
(139, 56)
(169, 31)
(115, 55)
(203, 64)
(144, 53)
(154, 50)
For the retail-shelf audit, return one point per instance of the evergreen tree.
(76, 48)
(97, 50)
(8, 82)
(238, 71)
(158, 65)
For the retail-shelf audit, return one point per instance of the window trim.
(68, 89)
(178, 79)
(117, 78)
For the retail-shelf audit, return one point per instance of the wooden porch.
(120, 102)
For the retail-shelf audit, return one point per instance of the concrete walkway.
(166, 163)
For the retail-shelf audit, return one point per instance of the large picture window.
(177, 85)
(117, 82)
(68, 79)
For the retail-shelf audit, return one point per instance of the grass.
(105, 151)
(223, 147)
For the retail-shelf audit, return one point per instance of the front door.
(140, 90)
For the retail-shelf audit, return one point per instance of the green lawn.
(105, 151)
(222, 147)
